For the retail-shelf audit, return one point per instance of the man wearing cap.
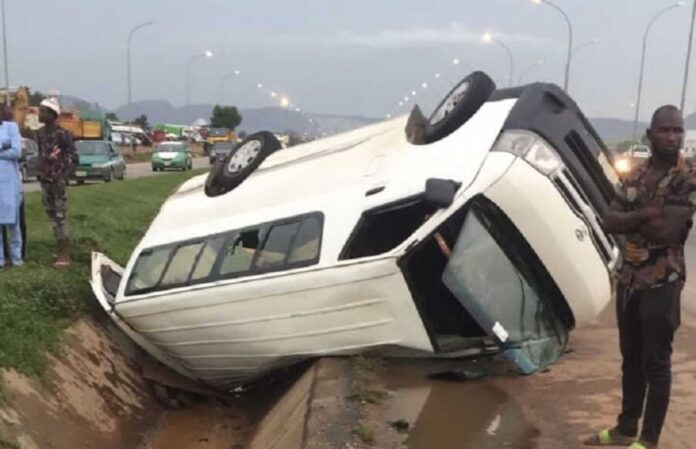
(57, 156)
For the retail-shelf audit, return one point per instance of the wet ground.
(555, 408)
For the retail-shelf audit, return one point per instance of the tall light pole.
(204, 55)
(4, 51)
(642, 64)
(527, 70)
(222, 87)
(128, 46)
(488, 37)
(688, 57)
(570, 37)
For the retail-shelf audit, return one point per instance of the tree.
(36, 98)
(225, 117)
(142, 121)
(112, 116)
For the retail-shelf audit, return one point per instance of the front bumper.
(85, 173)
(164, 164)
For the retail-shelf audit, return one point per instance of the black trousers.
(23, 228)
(647, 322)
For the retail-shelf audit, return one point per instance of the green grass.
(364, 389)
(365, 433)
(5, 444)
(37, 303)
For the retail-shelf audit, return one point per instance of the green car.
(98, 160)
(172, 155)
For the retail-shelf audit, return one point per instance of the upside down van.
(476, 230)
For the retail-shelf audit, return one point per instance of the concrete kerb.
(315, 413)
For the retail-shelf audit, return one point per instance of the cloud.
(454, 33)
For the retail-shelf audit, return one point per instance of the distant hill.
(279, 119)
(271, 118)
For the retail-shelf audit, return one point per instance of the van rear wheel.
(242, 161)
(459, 106)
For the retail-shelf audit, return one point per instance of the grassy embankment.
(37, 303)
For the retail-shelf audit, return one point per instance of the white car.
(639, 152)
(475, 231)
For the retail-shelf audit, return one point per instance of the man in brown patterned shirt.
(57, 157)
(653, 210)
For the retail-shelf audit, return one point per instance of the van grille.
(577, 200)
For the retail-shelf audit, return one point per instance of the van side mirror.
(440, 192)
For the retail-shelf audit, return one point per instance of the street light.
(222, 87)
(204, 55)
(4, 52)
(130, 38)
(527, 70)
(570, 37)
(642, 63)
(688, 56)
(586, 44)
(488, 38)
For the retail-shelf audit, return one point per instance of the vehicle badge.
(580, 234)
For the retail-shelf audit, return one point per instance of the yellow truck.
(216, 135)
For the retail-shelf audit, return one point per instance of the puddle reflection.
(455, 415)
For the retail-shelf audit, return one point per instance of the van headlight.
(622, 166)
(532, 148)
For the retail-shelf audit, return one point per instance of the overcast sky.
(340, 56)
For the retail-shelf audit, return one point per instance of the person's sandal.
(609, 437)
(61, 263)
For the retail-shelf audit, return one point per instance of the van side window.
(239, 252)
(277, 246)
(307, 242)
(269, 247)
(181, 264)
(148, 269)
(207, 258)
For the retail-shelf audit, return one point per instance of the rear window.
(277, 246)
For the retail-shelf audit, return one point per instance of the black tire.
(227, 174)
(80, 182)
(460, 104)
(110, 176)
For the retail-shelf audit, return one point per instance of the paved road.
(139, 170)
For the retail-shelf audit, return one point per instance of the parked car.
(220, 150)
(476, 231)
(98, 160)
(29, 164)
(639, 152)
(172, 155)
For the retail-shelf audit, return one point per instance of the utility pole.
(688, 58)
(4, 50)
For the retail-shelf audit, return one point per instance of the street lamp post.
(204, 55)
(527, 70)
(642, 64)
(688, 57)
(488, 37)
(222, 87)
(4, 51)
(128, 46)
(570, 38)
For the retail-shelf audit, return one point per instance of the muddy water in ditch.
(454, 415)
(205, 425)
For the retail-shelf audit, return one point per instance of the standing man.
(653, 210)
(10, 190)
(57, 157)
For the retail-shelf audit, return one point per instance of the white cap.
(52, 104)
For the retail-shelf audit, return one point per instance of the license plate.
(81, 174)
(167, 164)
